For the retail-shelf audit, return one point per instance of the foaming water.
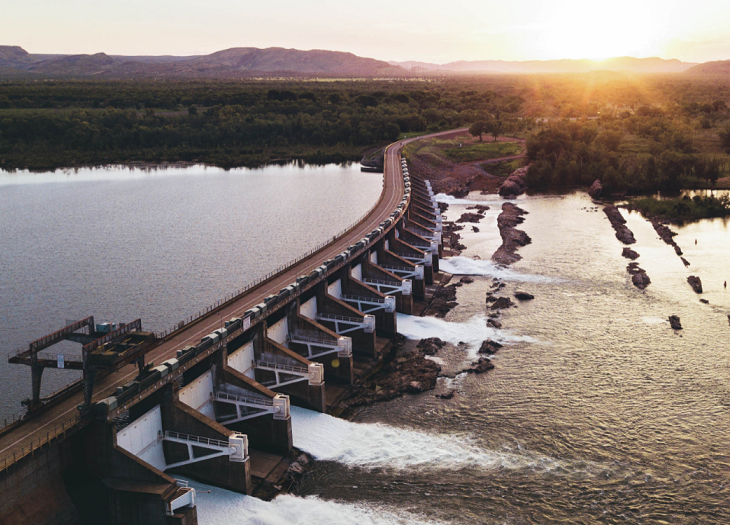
(471, 332)
(450, 199)
(381, 446)
(460, 265)
(222, 507)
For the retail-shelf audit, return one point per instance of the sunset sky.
(695, 31)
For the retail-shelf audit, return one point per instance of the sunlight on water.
(465, 266)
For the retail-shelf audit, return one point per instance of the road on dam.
(38, 427)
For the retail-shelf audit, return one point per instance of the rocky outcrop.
(494, 323)
(444, 299)
(480, 366)
(524, 296)
(596, 189)
(501, 303)
(638, 276)
(695, 283)
(674, 322)
(623, 234)
(630, 254)
(430, 345)
(684, 261)
(470, 217)
(512, 238)
(466, 280)
(489, 347)
(411, 373)
(666, 235)
(481, 208)
(514, 184)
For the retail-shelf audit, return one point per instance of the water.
(596, 412)
(122, 243)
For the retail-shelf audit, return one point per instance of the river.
(159, 244)
(597, 411)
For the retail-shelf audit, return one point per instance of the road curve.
(36, 429)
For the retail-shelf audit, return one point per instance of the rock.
(448, 395)
(695, 283)
(674, 322)
(524, 296)
(623, 234)
(475, 229)
(514, 184)
(704, 301)
(512, 238)
(684, 261)
(459, 193)
(489, 347)
(502, 302)
(430, 345)
(641, 280)
(629, 253)
(595, 190)
(414, 387)
(470, 217)
(480, 207)
(491, 298)
(480, 366)
(494, 323)
(466, 280)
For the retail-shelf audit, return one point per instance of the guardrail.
(171, 434)
(245, 399)
(14, 454)
(345, 318)
(362, 298)
(295, 338)
(285, 368)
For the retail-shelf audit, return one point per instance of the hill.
(720, 67)
(618, 64)
(230, 63)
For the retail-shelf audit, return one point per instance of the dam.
(211, 398)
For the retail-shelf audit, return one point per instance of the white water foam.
(222, 507)
(380, 446)
(471, 332)
(653, 320)
(466, 266)
(450, 199)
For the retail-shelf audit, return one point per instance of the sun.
(596, 30)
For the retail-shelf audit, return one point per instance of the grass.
(682, 209)
(504, 168)
(483, 151)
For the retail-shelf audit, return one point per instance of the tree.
(192, 110)
(477, 129)
(725, 139)
(495, 128)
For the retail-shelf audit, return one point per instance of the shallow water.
(122, 243)
(613, 416)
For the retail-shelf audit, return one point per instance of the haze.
(405, 30)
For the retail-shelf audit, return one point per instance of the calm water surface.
(124, 243)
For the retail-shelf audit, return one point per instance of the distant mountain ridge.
(276, 61)
(626, 64)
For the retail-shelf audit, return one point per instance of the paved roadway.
(38, 427)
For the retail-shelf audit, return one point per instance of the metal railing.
(362, 298)
(380, 281)
(170, 434)
(283, 368)
(398, 268)
(14, 454)
(245, 399)
(333, 317)
(297, 338)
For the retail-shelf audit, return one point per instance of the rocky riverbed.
(512, 238)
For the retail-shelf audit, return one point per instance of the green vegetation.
(684, 209)
(504, 168)
(483, 151)
(634, 133)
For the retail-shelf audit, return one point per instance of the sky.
(430, 31)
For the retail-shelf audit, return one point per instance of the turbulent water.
(597, 411)
(161, 245)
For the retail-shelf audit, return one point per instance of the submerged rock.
(684, 261)
(480, 366)
(502, 302)
(675, 322)
(629, 253)
(618, 222)
(695, 282)
(489, 347)
(524, 296)
(470, 217)
(466, 280)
